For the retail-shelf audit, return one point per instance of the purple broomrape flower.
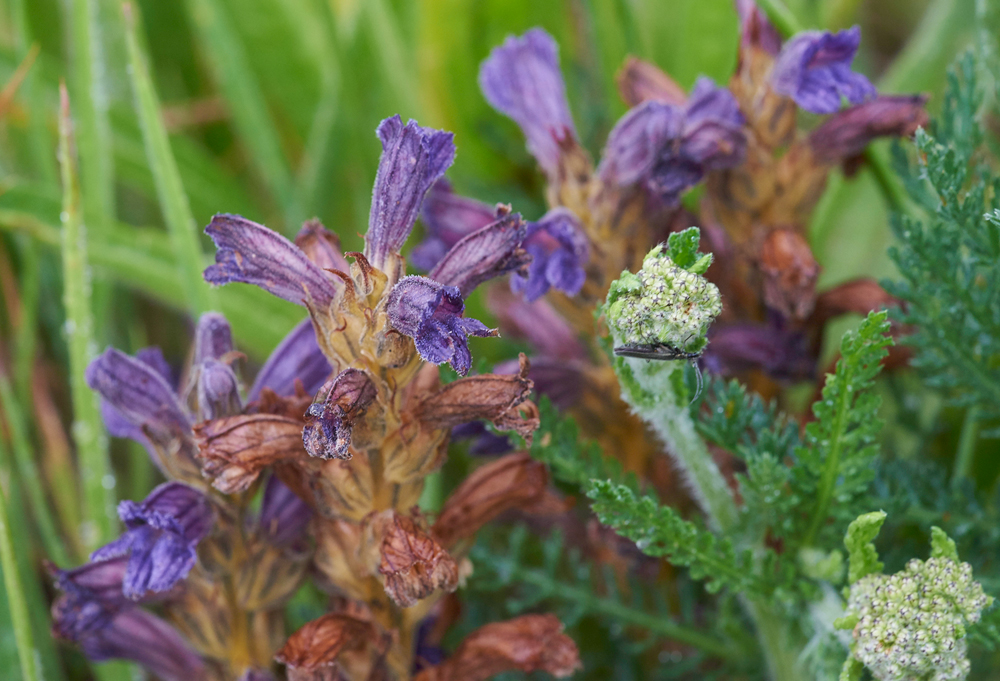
(814, 69)
(448, 218)
(297, 357)
(213, 338)
(413, 159)
(485, 254)
(284, 517)
(669, 149)
(559, 251)
(847, 133)
(521, 79)
(93, 612)
(218, 391)
(431, 314)
(253, 254)
(160, 538)
(329, 421)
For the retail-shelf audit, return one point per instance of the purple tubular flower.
(448, 218)
(297, 357)
(755, 29)
(559, 251)
(713, 127)
(521, 79)
(218, 391)
(143, 399)
(253, 254)
(92, 596)
(213, 338)
(413, 159)
(431, 314)
(283, 515)
(814, 69)
(637, 140)
(485, 254)
(327, 433)
(160, 538)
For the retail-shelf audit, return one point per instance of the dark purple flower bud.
(218, 391)
(637, 140)
(814, 69)
(713, 127)
(485, 254)
(559, 251)
(253, 254)
(213, 338)
(297, 357)
(140, 395)
(329, 421)
(431, 314)
(116, 422)
(521, 79)
(413, 159)
(137, 635)
(160, 537)
(848, 132)
(448, 218)
(283, 515)
(755, 29)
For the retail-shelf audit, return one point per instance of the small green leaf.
(863, 558)
(852, 670)
(682, 247)
(943, 546)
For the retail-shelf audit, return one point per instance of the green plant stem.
(169, 187)
(26, 336)
(966, 446)
(20, 620)
(42, 156)
(88, 430)
(28, 474)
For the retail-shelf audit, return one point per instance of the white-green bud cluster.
(911, 625)
(663, 303)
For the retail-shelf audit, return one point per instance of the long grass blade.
(173, 199)
(20, 620)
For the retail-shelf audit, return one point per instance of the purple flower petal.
(559, 250)
(847, 133)
(140, 395)
(755, 29)
(321, 246)
(253, 254)
(521, 79)
(283, 515)
(483, 441)
(137, 635)
(297, 357)
(413, 159)
(329, 421)
(91, 597)
(713, 133)
(431, 314)
(218, 391)
(448, 218)
(814, 69)
(160, 537)
(213, 338)
(782, 353)
(488, 253)
(637, 140)
(538, 323)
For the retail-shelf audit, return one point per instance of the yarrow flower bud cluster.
(911, 625)
(664, 303)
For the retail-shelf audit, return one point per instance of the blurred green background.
(271, 108)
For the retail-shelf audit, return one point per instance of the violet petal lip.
(485, 254)
(448, 218)
(521, 80)
(413, 159)
(559, 250)
(297, 356)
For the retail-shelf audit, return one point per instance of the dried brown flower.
(311, 652)
(234, 450)
(789, 272)
(413, 563)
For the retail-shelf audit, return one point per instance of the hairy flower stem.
(656, 392)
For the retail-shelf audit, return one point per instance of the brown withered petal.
(488, 396)
(857, 295)
(329, 420)
(789, 272)
(511, 481)
(321, 246)
(848, 132)
(640, 81)
(527, 643)
(311, 652)
(413, 564)
(234, 450)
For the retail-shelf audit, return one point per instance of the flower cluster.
(911, 625)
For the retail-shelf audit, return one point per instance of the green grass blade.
(16, 600)
(42, 156)
(173, 199)
(247, 103)
(88, 430)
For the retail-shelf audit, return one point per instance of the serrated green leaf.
(943, 546)
(862, 555)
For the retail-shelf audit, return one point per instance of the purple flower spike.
(448, 218)
(218, 391)
(297, 357)
(213, 338)
(160, 538)
(253, 254)
(431, 314)
(521, 79)
(139, 394)
(327, 433)
(490, 252)
(283, 515)
(413, 159)
(559, 252)
(814, 69)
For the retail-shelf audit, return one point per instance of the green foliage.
(682, 247)
(942, 546)
(862, 555)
